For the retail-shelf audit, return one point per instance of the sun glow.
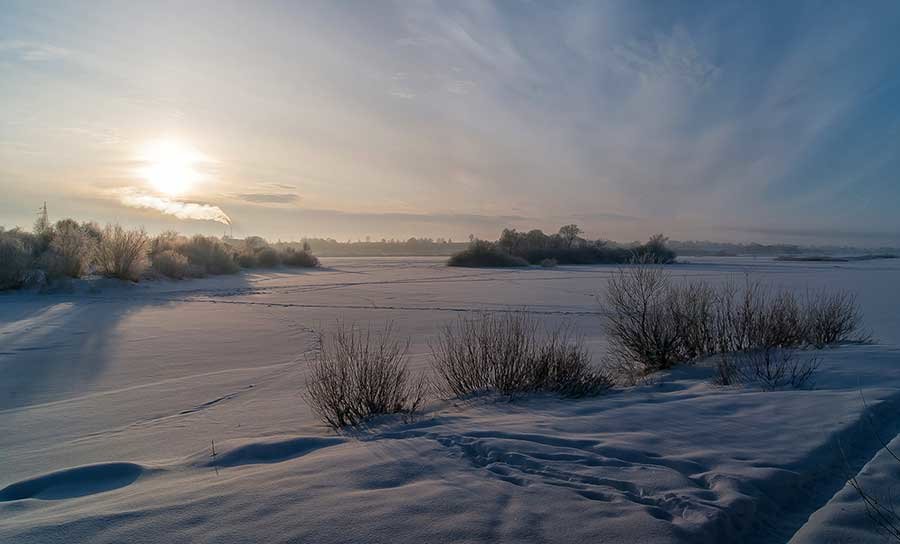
(171, 167)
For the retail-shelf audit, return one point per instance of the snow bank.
(674, 461)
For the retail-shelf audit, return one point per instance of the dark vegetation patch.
(565, 247)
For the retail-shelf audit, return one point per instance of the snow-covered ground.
(112, 399)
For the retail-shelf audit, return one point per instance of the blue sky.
(766, 121)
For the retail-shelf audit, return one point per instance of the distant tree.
(570, 233)
(509, 240)
(655, 250)
(536, 239)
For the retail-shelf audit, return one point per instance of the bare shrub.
(487, 354)
(563, 365)
(832, 318)
(122, 253)
(770, 368)
(881, 510)
(15, 258)
(356, 375)
(693, 311)
(549, 263)
(781, 322)
(725, 371)
(726, 325)
(653, 324)
(507, 354)
(641, 322)
(742, 319)
(756, 316)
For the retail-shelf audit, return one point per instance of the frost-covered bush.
(508, 354)
(246, 260)
(15, 258)
(268, 257)
(549, 263)
(171, 264)
(70, 251)
(166, 241)
(209, 255)
(298, 258)
(122, 253)
(253, 252)
(358, 374)
(246, 251)
(167, 257)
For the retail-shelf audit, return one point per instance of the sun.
(170, 167)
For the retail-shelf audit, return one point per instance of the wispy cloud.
(32, 51)
(694, 115)
(268, 198)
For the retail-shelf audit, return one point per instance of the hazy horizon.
(770, 122)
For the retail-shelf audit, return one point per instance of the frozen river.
(150, 374)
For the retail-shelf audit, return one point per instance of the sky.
(727, 121)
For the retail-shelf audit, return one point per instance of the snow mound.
(74, 482)
(256, 453)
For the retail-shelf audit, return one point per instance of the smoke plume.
(181, 210)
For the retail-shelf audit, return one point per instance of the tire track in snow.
(456, 309)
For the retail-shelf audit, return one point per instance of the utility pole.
(42, 224)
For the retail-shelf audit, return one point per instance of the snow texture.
(172, 411)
